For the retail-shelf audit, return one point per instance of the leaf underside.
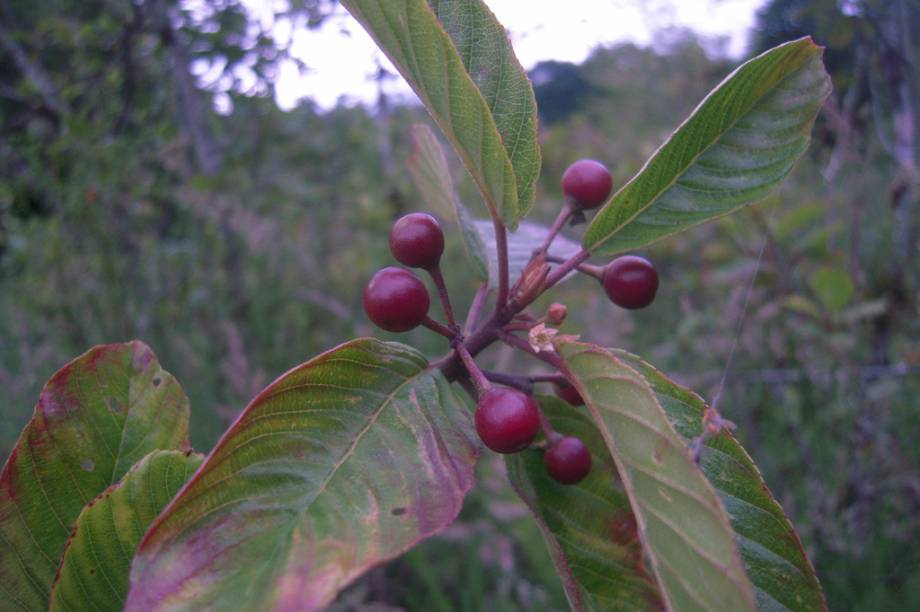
(487, 55)
(94, 569)
(344, 462)
(409, 33)
(738, 144)
(682, 524)
(431, 176)
(521, 245)
(589, 527)
(782, 576)
(96, 417)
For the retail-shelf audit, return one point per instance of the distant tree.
(560, 89)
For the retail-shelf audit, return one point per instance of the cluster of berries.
(507, 419)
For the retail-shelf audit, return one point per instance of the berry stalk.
(439, 328)
(501, 246)
(522, 383)
(564, 214)
(472, 316)
(479, 379)
(438, 278)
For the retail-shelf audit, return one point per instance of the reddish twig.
(479, 379)
(479, 300)
(564, 214)
(438, 279)
(440, 328)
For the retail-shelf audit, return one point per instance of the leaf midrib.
(333, 471)
(683, 170)
(627, 479)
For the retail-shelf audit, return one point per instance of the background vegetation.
(237, 245)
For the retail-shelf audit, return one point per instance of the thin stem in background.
(739, 325)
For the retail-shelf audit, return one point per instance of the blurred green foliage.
(237, 245)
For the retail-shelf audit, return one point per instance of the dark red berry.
(568, 460)
(417, 241)
(507, 420)
(570, 394)
(587, 183)
(630, 281)
(396, 300)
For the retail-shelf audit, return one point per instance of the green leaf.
(432, 179)
(489, 59)
(521, 244)
(782, 576)
(95, 418)
(342, 463)
(738, 144)
(94, 570)
(409, 33)
(833, 287)
(589, 528)
(682, 524)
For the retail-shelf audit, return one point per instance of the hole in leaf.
(112, 403)
(157, 381)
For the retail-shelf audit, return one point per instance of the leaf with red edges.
(95, 418)
(342, 463)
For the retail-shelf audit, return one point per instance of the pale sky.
(342, 65)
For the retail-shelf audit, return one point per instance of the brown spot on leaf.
(662, 445)
(156, 381)
(113, 405)
(623, 528)
(398, 511)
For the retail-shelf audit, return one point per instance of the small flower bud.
(556, 313)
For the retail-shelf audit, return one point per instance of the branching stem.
(503, 314)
